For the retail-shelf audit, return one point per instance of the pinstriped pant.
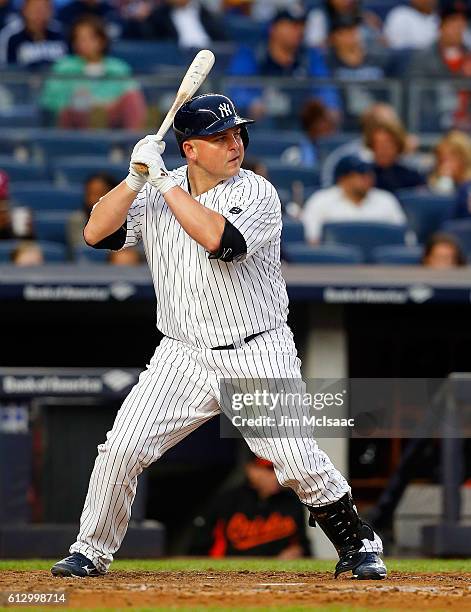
(177, 393)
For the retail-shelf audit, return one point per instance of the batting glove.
(160, 178)
(147, 151)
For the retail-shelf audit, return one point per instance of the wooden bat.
(194, 77)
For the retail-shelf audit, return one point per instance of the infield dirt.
(238, 589)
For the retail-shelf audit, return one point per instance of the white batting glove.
(160, 178)
(147, 151)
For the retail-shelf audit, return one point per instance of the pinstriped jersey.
(207, 302)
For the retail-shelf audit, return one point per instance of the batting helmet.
(207, 115)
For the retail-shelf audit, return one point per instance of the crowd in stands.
(347, 157)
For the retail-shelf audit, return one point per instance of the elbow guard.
(114, 241)
(232, 245)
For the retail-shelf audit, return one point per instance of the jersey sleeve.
(255, 210)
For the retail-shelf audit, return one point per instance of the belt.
(228, 347)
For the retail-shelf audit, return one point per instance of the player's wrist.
(161, 179)
(135, 181)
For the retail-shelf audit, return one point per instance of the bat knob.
(141, 169)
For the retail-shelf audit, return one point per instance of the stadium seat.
(70, 170)
(27, 171)
(145, 56)
(292, 230)
(461, 229)
(326, 145)
(52, 251)
(21, 115)
(426, 212)
(89, 254)
(269, 144)
(50, 225)
(245, 30)
(45, 196)
(365, 235)
(58, 143)
(284, 175)
(302, 253)
(398, 255)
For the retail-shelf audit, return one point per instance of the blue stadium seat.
(426, 212)
(23, 171)
(271, 144)
(20, 116)
(245, 30)
(326, 145)
(86, 253)
(59, 143)
(461, 229)
(52, 251)
(51, 225)
(365, 235)
(284, 175)
(46, 196)
(145, 56)
(292, 230)
(398, 255)
(77, 169)
(302, 253)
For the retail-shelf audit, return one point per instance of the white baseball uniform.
(203, 303)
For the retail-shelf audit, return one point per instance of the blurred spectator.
(320, 20)
(349, 59)
(185, 22)
(387, 141)
(7, 13)
(318, 121)
(452, 167)
(126, 257)
(134, 15)
(14, 222)
(283, 56)
(35, 41)
(447, 58)
(379, 112)
(70, 12)
(442, 251)
(255, 165)
(412, 27)
(353, 198)
(27, 254)
(96, 186)
(102, 94)
(258, 518)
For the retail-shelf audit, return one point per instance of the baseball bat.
(191, 82)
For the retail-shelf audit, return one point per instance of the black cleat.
(363, 565)
(75, 566)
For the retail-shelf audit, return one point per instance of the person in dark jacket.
(387, 141)
(185, 22)
(259, 518)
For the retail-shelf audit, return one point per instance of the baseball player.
(211, 234)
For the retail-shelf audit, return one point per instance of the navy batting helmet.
(206, 115)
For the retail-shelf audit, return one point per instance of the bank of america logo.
(117, 380)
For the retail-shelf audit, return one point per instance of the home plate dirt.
(119, 589)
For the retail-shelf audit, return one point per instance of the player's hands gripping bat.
(194, 77)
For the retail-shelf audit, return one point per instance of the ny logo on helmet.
(225, 109)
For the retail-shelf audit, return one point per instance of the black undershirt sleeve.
(114, 241)
(232, 246)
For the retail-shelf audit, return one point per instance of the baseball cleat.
(363, 565)
(75, 566)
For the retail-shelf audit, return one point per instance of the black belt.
(228, 347)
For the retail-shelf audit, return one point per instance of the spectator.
(104, 10)
(16, 222)
(387, 141)
(318, 121)
(412, 27)
(283, 56)
(452, 168)
(442, 252)
(33, 42)
(353, 198)
(101, 92)
(125, 257)
(320, 20)
(379, 112)
(27, 254)
(259, 518)
(255, 165)
(447, 58)
(348, 59)
(96, 186)
(185, 22)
